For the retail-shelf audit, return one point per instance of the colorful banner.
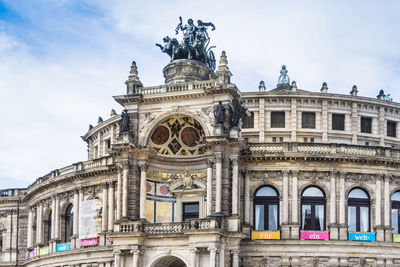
(89, 242)
(361, 237)
(396, 238)
(44, 251)
(63, 247)
(89, 212)
(265, 235)
(31, 254)
(314, 235)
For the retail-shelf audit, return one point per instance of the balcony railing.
(322, 149)
(176, 87)
(171, 227)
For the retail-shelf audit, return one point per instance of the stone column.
(99, 143)
(285, 206)
(235, 258)
(143, 169)
(382, 126)
(213, 254)
(354, 123)
(247, 198)
(295, 201)
(57, 219)
(379, 229)
(333, 229)
(125, 172)
(209, 187)
(387, 209)
(235, 186)
(53, 216)
(193, 257)
(342, 208)
(135, 257)
(30, 232)
(119, 185)
(218, 189)
(324, 121)
(104, 218)
(293, 120)
(39, 224)
(261, 120)
(111, 207)
(76, 212)
(117, 258)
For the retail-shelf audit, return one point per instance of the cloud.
(61, 61)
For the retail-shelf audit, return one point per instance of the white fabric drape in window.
(303, 216)
(258, 212)
(364, 221)
(319, 215)
(273, 217)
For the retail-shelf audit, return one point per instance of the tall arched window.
(395, 212)
(47, 229)
(69, 223)
(266, 207)
(358, 211)
(313, 209)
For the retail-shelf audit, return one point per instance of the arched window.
(358, 211)
(313, 209)
(395, 212)
(69, 223)
(266, 209)
(47, 229)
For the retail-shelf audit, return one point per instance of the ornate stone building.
(197, 173)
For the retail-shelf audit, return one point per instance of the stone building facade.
(197, 173)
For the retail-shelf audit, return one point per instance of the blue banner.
(361, 237)
(62, 247)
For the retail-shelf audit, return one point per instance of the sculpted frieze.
(172, 177)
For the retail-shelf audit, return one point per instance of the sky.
(61, 61)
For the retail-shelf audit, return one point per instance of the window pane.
(338, 122)
(191, 207)
(366, 125)
(308, 120)
(248, 122)
(259, 217)
(319, 218)
(358, 193)
(352, 218)
(277, 119)
(313, 192)
(391, 128)
(306, 217)
(364, 219)
(396, 196)
(395, 221)
(273, 217)
(266, 192)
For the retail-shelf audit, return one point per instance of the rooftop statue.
(194, 45)
(283, 78)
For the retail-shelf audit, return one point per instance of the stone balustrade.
(171, 227)
(323, 148)
(176, 87)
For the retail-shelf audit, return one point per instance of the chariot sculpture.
(195, 44)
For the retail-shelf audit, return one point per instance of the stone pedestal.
(295, 231)
(380, 233)
(285, 231)
(388, 234)
(218, 130)
(234, 133)
(186, 70)
(333, 231)
(234, 224)
(246, 230)
(343, 232)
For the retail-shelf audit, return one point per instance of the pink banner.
(314, 235)
(89, 242)
(31, 254)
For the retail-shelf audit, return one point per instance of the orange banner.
(265, 235)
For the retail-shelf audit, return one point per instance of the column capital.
(136, 252)
(213, 250)
(285, 173)
(342, 175)
(218, 156)
(235, 160)
(143, 164)
(387, 177)
(117, 252)
(193, 250)
(235, 252)
(210, 162)
(104, 185)
(294, 172)
(333, 173)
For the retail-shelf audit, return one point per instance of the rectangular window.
(248, 122)
(190, 211)
(277, 119)
(366, 125)
(305, 140)
(274, 139)
(308, 120)
(338, 122)
(281, 139)
(391, 128)
(312, 139)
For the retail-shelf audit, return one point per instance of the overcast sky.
(61, 61)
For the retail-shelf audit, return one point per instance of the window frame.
(358, 203)
(69, 223)
(190, 215)
(266, 201)
(366, 128)
(336, 115)
(282, 124)
(395, 204)
(313, 201)
(395, 128)
(248, 121)
(303, 122)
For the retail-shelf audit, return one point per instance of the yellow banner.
(265, 235)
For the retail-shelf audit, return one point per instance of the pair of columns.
(218, 185)
(119, 258)
(107, 220)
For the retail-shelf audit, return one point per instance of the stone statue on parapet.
(283, 78)
(124, 122)
(194, 45)
(238, 113)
